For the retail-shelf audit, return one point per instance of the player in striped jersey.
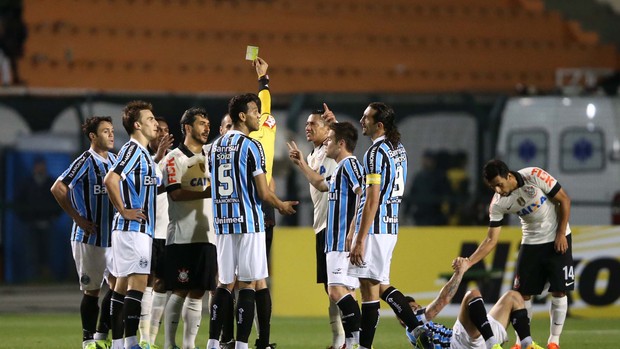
(474, 328)
(238, 188)
(344, 188)
(191, 262)
(155, 295)
(81, 193)
(132, 186)
(385, 165)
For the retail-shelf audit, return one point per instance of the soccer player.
(81, 193)
(344, 187)
(546, 253)
(474, 328)
(385, 165)
(317, 129)
(132, 187)
(155, 294)
(238, 187)
(190, 257)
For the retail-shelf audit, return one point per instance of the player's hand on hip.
(89, 227)
(133, 214)
(561, 244)
(328, 116)
(357, 253)
(261, 66)
(288, 208)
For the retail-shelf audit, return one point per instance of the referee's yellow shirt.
(266, 134)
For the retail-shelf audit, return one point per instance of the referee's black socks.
(397, 301)
(263, 317)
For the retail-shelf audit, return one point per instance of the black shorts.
(539, 264)
(157, 258)
(191, 267)
(321, 262)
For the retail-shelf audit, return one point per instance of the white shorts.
(337, 270)
(131, 253)
(93, 264)
(377, 258)
(243, 255)
(461, 340)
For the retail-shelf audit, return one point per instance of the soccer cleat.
(154, 346)
(90, 345)
(516, 346)
(496, 346)
(141, 346)
(550, 346)
(535, 346)
(103, 343)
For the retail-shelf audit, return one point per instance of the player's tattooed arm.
(448, 291)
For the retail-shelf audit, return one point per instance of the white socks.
(171, 319)
(145, 314)
(192, 314)
(557, 312)
(157, 310)
(338, 336)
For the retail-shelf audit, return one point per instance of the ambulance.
(577, 140)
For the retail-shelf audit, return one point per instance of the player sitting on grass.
(474, 328)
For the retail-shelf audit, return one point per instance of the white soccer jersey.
(531, 202)
(161, 211)
(320, 163)
(189, 221)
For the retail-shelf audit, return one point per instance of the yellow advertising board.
(421, 266)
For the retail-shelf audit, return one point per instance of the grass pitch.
(63, 331)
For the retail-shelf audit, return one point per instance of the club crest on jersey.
(521, 201)
(85, 280)
(143, 262)
(183, 276)
(530, 191)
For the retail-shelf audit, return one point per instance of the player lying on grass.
(474, 328)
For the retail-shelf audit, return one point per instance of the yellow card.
(251, 53)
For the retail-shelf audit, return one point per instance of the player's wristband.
(263, 82)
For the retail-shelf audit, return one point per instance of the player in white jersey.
(344, 187)
(155, 295)
(190, 258)
(474, 328)
(82, 195)
(546, 254)
(316, 130)
(132, 185)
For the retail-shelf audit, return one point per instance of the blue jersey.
(386, 166)
(138, 186)
(89, 196)
(437, 335)
(342, 199)
(235, 159)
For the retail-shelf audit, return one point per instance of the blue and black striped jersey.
(89, 197)
(385, 165)
(138, 186)
(235, 159)
(342, 199)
